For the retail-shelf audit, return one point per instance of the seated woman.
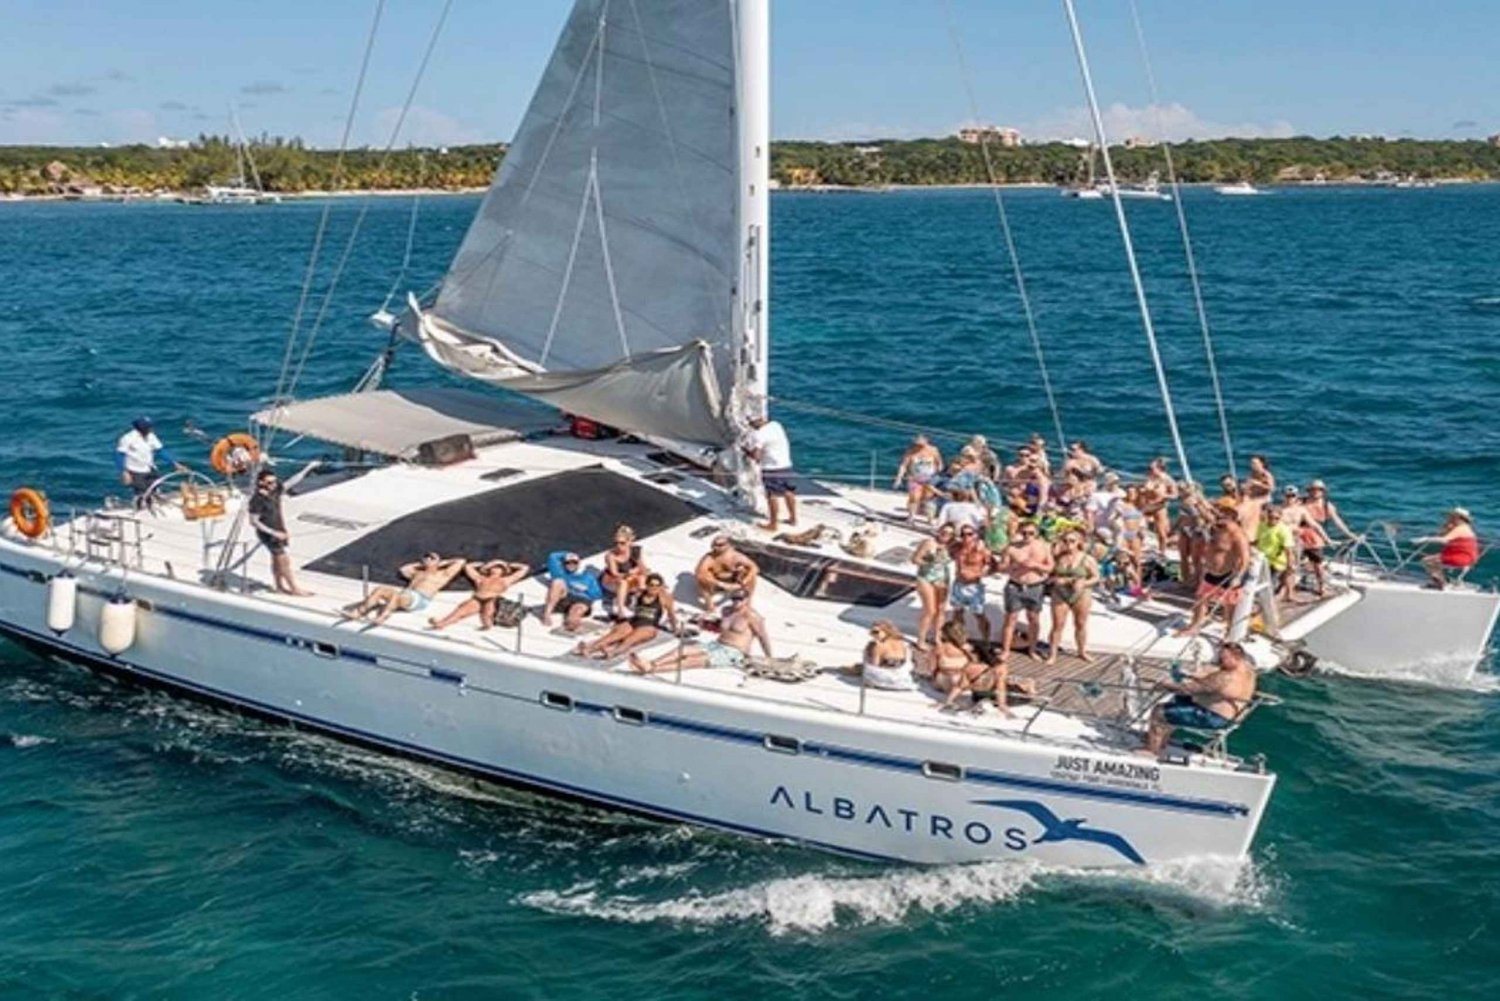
(490, 580)
(653, 602)
(950, 658)
(624, 570)
(1460, 547)
(887, 659)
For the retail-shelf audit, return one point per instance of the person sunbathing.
(624, 570)
(653, 603)
(741, 627)
(424, 579)
(490, 580)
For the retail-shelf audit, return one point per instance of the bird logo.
(1054, 828)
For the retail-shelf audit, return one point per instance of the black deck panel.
(577, 510)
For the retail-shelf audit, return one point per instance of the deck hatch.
(808, 573)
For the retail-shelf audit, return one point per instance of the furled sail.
(600, 273)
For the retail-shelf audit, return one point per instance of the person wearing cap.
(1274, 541)
(1460, 547)
(136, 455)
(1213, 701)
(768, 447)
(572, 589)
(1307, 536)
(1099, 508)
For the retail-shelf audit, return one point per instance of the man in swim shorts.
(424, 579)
(971, 561)
(1225, 560)
(740, 627)
(1212, 701)
(1027, 563)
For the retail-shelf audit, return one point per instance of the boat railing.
(1378, 551)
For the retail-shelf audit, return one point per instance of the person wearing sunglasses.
(1027, 563)
(724, 572)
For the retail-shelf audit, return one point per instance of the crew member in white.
(766, 445)
(136, 457)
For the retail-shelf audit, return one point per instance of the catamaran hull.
(1400, 629)
(841, 782)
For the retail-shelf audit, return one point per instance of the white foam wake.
(814, 903)
(25, 740)
(1454, 672)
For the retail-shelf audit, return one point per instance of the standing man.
(135, 456)
(1027, 563)
(767, 446)
(270, 528)
(1225, 560)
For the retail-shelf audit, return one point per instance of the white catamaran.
(618, 269)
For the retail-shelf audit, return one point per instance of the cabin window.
(809, 574)
(625, 714)
(783, 745)
(942, 770)
(557, 700)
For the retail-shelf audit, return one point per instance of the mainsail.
(603, 272)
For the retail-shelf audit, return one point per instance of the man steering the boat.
(136, 456)
(1213, 701)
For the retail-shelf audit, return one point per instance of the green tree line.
(286, 165)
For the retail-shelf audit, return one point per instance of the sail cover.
(600, 272)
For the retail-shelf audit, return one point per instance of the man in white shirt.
(962, 511)
(767, 446)
(1099, 508)
(135, 456)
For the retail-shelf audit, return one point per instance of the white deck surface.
(827, 633)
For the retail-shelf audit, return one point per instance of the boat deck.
(1075, 702)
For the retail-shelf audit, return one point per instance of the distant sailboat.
(242, 189)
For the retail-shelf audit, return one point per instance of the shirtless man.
(1225, 560)
(740, 627)
(1027, 563)
(726, 571)
(1254, 496)
(971, 561)
(1156, 492)
(1207, 702)
(490, 580)
(424, 579)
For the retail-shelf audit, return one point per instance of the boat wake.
(25, 740)
(814, 903)
(1456, 673)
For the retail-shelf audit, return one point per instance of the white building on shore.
(997, 134)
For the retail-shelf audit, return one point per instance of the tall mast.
(1135, 271)
(754, 109)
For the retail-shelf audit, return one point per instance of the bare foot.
(1051, 661)
(1086, 658)
(349, 613)
(639, 665)
(546, 622)
(766, 526)
(432, 623)
(581, 650)
(303, 594)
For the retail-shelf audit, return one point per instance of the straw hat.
(1463, 513)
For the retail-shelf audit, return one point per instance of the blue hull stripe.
(717, 732)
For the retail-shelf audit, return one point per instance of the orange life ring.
(29, 511)
(234, 454)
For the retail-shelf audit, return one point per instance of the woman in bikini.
(624, 569)
(958, 672)
(1321, 511)
(1155, 493)
(887, 659)
(1195, 519)
(919, 467)
(653, 603)
(934, 576)
(1074, 574)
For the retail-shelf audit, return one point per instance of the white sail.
(602, 271)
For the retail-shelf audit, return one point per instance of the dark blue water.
(150, 849)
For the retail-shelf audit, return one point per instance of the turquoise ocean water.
(151, 848)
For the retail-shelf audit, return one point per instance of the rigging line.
(1187, 243)
(1010, 242)
(359, 219)
(312, 262)
(1135, 270)
(411, 237)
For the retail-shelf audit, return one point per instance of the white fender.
(117, 625)
(62, 602)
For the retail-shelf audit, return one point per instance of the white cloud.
(1174, 122)
(425, 127)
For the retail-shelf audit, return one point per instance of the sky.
(112, 71)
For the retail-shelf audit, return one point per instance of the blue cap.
(141, 424)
